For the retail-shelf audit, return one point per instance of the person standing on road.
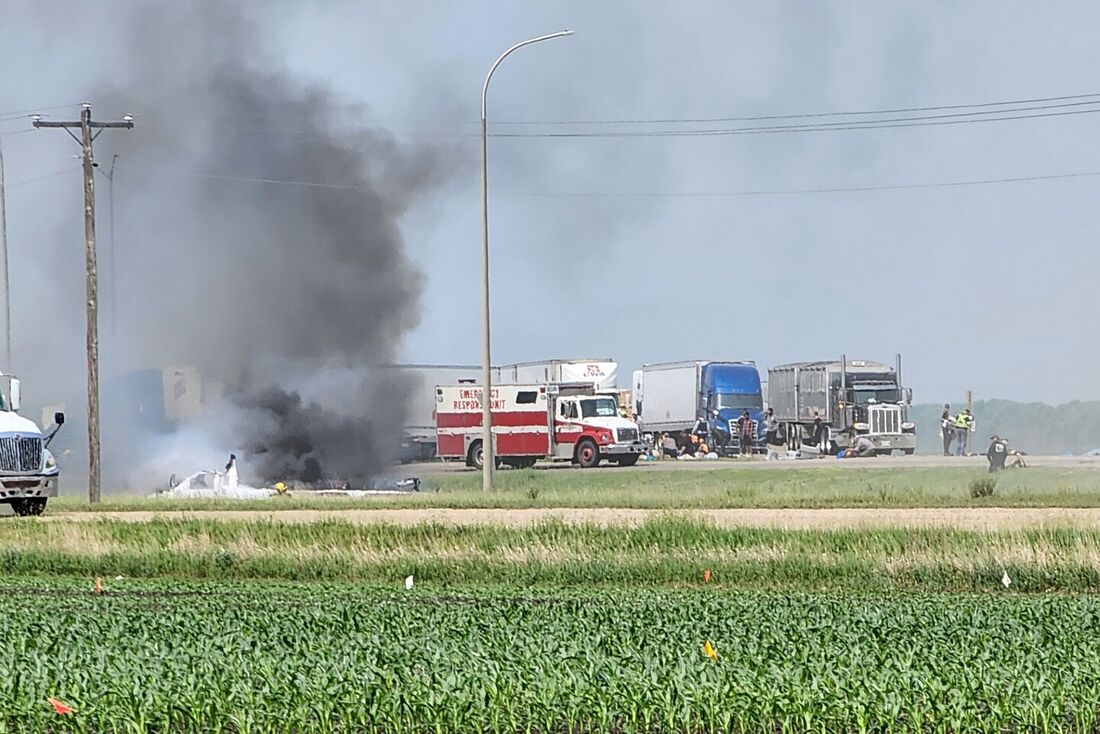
(947, 430)
(745, 431)
(817, 431)
(996, 454)
(771, 435)
(964, 422)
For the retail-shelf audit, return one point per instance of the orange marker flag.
(61, 708)
(706, 576)
(709, 651)
(98, 585)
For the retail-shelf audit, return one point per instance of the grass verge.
(656, 488)
(658, 553)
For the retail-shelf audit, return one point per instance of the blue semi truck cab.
(727, 389)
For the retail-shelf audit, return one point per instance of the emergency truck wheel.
(476, 458)
(27, 507)
(587, 454)
(630, 460)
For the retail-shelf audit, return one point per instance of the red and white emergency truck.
(566, 422)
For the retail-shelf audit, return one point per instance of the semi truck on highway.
(851, 397)
(28, 471)
(668, 398)
(556, 421)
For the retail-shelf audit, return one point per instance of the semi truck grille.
(735, 430)
(626, 435)
(20, 453)
(885, 420)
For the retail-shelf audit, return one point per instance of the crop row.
(341, 658)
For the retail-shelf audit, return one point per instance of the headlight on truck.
(908, 427)
(861, 426)
(50, 461)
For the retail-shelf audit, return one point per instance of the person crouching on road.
(863, 447)
(996, 454)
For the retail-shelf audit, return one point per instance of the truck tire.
(28, 507)
(475, 457)
(909, 452)
(587, 454)
(630, 460)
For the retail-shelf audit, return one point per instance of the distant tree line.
(1036, 428)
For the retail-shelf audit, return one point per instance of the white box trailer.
(669, 396)
(601, 373)
(418, 439)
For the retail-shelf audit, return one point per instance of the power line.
(829, 190)
(44, 176)
(795, 116)
(901, 122)
(638, 194)
(247, 179)
(15, 114)
(1003, 115)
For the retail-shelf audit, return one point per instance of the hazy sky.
(985, 287)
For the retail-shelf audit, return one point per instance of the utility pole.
(86, 126)
(4, 264)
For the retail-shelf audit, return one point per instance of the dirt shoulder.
(965, 518)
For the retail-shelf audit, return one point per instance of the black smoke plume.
(266, 248)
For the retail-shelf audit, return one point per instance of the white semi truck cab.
(28, 472)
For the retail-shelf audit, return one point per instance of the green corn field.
(173, 656)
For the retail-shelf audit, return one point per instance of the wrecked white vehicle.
(209, 484)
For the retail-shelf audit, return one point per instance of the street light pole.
(487, 450)
(4, 261)
(111, 263)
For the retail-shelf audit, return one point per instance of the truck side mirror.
(59, 418)
(909, 395)
(15, 397)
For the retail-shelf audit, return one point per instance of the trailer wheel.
(909, 452)
(587, 455)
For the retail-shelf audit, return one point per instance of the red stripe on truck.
(471, 420)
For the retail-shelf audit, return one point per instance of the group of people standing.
(956, 430)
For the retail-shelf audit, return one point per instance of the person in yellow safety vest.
(964, 423)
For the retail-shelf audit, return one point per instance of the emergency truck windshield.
(599, 408)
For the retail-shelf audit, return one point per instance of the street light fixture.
(487, 450)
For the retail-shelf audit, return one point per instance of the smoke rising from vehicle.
(267, 218)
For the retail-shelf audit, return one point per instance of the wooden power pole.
(86, 126)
